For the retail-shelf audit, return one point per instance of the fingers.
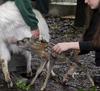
(57, 49)
(61, 47)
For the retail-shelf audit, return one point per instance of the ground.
(62, 29)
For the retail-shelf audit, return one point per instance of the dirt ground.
(62, 29)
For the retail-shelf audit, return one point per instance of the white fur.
(13, 25)
(43, 27)
(4, 51)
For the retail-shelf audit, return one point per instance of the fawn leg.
(53, 73)
(70, 72)
(49, 65)
(47, 76)
(73, 66)
(38, 71)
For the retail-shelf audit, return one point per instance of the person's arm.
(87, 46)
(84, 47)
(25, 8)
(64, 46)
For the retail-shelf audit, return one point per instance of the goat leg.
(29, 66)
(4, 65)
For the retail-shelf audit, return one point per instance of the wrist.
(74, 45)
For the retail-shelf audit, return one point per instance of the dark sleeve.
(87, 46)
(25, 8)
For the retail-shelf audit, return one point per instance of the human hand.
(61, 47)
(35, 33)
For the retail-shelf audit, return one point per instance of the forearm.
(84, 46)
(74, 45)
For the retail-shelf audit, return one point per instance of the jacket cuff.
(85, 47)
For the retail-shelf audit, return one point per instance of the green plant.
(93, 88)
(81, 89)
(22, 85)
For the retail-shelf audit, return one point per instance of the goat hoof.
(10, 84)
(42, 89)
(29, 74)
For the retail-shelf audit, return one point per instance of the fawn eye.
(19, 43)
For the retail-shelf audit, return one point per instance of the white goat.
(13, 25)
